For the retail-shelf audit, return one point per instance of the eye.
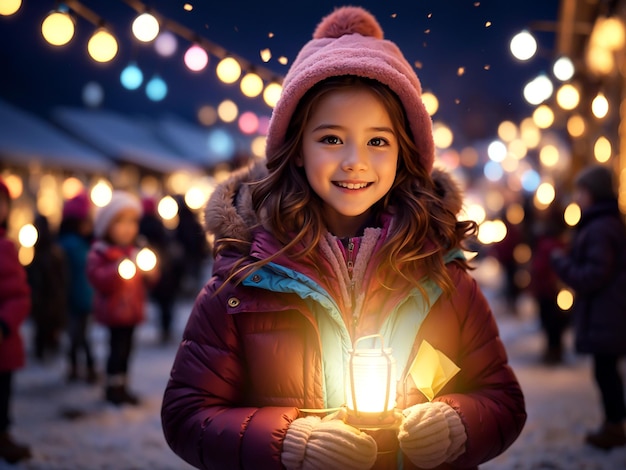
(378, 142)
(331, 140)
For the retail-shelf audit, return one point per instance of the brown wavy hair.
(424, 229)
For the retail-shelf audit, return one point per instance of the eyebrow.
(322, 127)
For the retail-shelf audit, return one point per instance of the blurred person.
(47, 278)
(170, 258)
(545, 285)
(191, 236)
(343, 232)
(75, 237)
(504, 252)
(119, 303)
(595, 267)
(14, 309)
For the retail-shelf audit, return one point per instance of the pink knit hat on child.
(350, 41)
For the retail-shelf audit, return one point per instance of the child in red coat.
(14, 308)
(119, 294)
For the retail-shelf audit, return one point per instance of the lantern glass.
(371, 381)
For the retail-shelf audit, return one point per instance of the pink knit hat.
(350, 41)
(77, 207)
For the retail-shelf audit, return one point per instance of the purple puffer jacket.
(251, 360)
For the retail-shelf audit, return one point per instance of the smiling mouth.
(351, 185)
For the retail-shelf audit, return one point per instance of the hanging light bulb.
(271, 94)
(102, 46)
(131, 77)
(58, 28)
(196, 58)
(228, 70)
(145, 27)
(9, 7)
(251, 85)
(156, 88)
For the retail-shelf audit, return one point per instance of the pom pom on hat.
(349, 41)
(348, 20)
(120, 200)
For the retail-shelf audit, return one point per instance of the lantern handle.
(379, 336)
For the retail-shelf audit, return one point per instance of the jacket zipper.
(350, 266)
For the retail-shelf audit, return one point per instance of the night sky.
(439, 36)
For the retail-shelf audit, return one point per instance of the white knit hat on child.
(120, 200)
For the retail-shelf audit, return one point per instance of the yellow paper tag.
(431, 370)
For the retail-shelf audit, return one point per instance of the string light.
(9, 7)
(102, 46)
(145, 27)
(58, 28)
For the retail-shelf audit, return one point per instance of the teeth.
(351, 185)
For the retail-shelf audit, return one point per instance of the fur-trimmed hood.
(229, 213)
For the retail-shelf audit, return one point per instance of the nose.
(355, 159)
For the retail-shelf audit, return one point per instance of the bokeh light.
(431, 103)
(576, 125)
(131, 77)
(196, 58)
(271, 94)
(602, 149)
(126, 269)
(145, 27)
(572, 214)
(166, 44)
(27, 236)
(146, 259)
(9, 7)
(523, 45)
(228, 70)
(93, 94)
(221, 143)
(563, 69)
(167, 208)
(101, 193)
(600, 106)
(227, 111)
(102, 46)
(57, 28)
(248, 122)
(156, 88)
(251, 85)
(568, 97)
(538, 90)
(565, 299)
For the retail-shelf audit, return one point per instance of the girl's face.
(124, 227)
(350, 155)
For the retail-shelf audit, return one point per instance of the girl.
(118, 302)
(15, 305)
(75, 237)
(346, 232)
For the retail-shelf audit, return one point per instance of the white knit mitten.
(311, 443)
(431, 434)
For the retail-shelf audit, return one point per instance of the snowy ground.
(70, 427)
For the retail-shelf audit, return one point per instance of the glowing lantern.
(371, 383)
(127, 269)
(102, 46)
(146, 259)
(58, 28)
